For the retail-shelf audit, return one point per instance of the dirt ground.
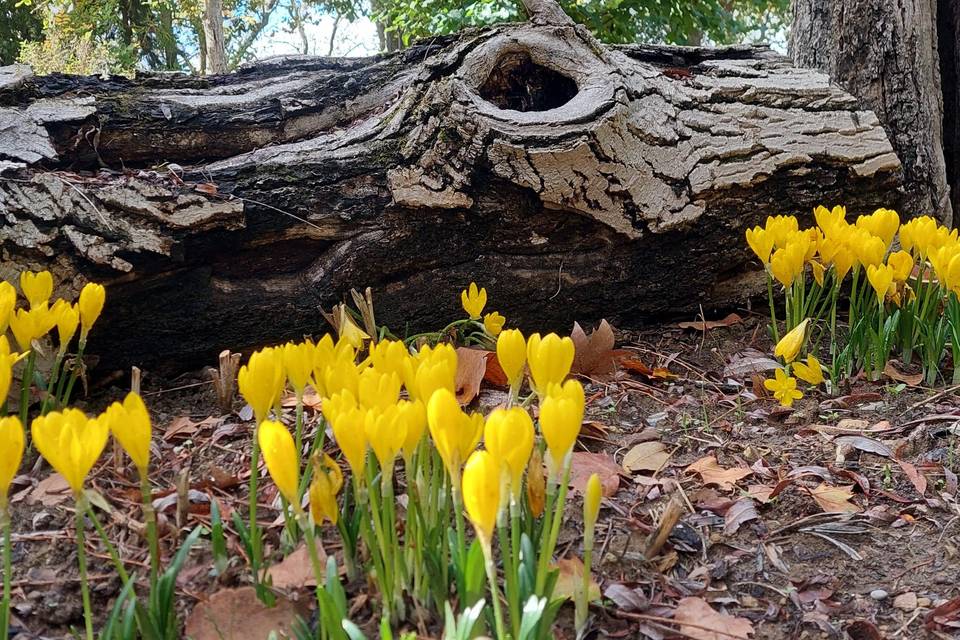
(756, 538)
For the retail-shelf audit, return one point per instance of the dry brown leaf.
(236, 614)
(704, 325)
(760, 492)
(570, 579)
(911, 380)
(918, 479)
(206, 187)
(494, 373)
(745, 363)
(296, 571)
(743, 510)
(594, 356)
(646, 456)
(184, 426)
(698, 620)
(471, 367)
(584, 464)
(835, 499)
(50, 491)
(712, 473)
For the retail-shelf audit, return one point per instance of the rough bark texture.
(885, 52)
(574, 180)
(948, 28)
(214, 43)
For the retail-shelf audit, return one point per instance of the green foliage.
(61, 52)
(18, 24)
(687, 22)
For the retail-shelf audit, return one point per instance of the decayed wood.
(885, 52)
(574, 180)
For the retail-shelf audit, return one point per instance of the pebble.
(906, 601)
(879, 594)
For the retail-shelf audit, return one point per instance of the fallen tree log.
(575, 180)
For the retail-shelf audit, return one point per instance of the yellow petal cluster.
(130, 424)
(71, 442)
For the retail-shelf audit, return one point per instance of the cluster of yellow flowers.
(392, 401)
(899, 296)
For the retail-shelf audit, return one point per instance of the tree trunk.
(574, 180)
(213, 36)
(948, 30)
(885, 52)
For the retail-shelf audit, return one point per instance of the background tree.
(18, 24)
(900, 57)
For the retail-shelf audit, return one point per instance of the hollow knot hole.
(520, 84)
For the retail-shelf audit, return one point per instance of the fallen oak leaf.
(835, 499)
(296, 571)
(494, 373)
(711, 472)
(699, 620)
(570, 580)
(471, 367)
(594, 356)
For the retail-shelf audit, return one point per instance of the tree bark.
(574, 180)
(948, 30)
(885, 52)
(213, 37)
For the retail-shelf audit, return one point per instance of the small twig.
(933, 398)
(658, 537)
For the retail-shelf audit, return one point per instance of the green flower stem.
(494, 592)
(304, 523)
(255, 540)
(546, 552)
(25, 384)
(7, 530)
(773, 309)
(105, 539)
(510, 573)
(298, 439)
(314, 447)
(150, 516)
(384, 577)
(81, 506)
(54, 378)
(458, 515)
(583, 602)
(65, 398)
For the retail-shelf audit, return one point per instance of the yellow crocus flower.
(473, 300)
(11, 454)
(786, 264)
(784, 388)
(512, 355)
(591, 501)
(493, 322)
(71, 442)
(818, 271)
(508, 435)
(92, 298)
(31, 325)
(869, 249)
(130, 424)
(298, 364)
(432, 369)
(902, 264)
(37, 287)
(281, 457)
(916, 235)
(341, 375)
(881, 279)
(550, 359)
(454, 432)
(790, 344)
(481, 494)
(810, 371)
(337, 404)
(413, 417)
(780, 228)
(324, 486)
(377, 389)
(386, 434)
(760, 242)
(261, 381)
(68, 319)
(7, 360)
(348, 431)
(8, 300)
(389, 356)
(561, 414)
(830, 219)
(882, 223)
